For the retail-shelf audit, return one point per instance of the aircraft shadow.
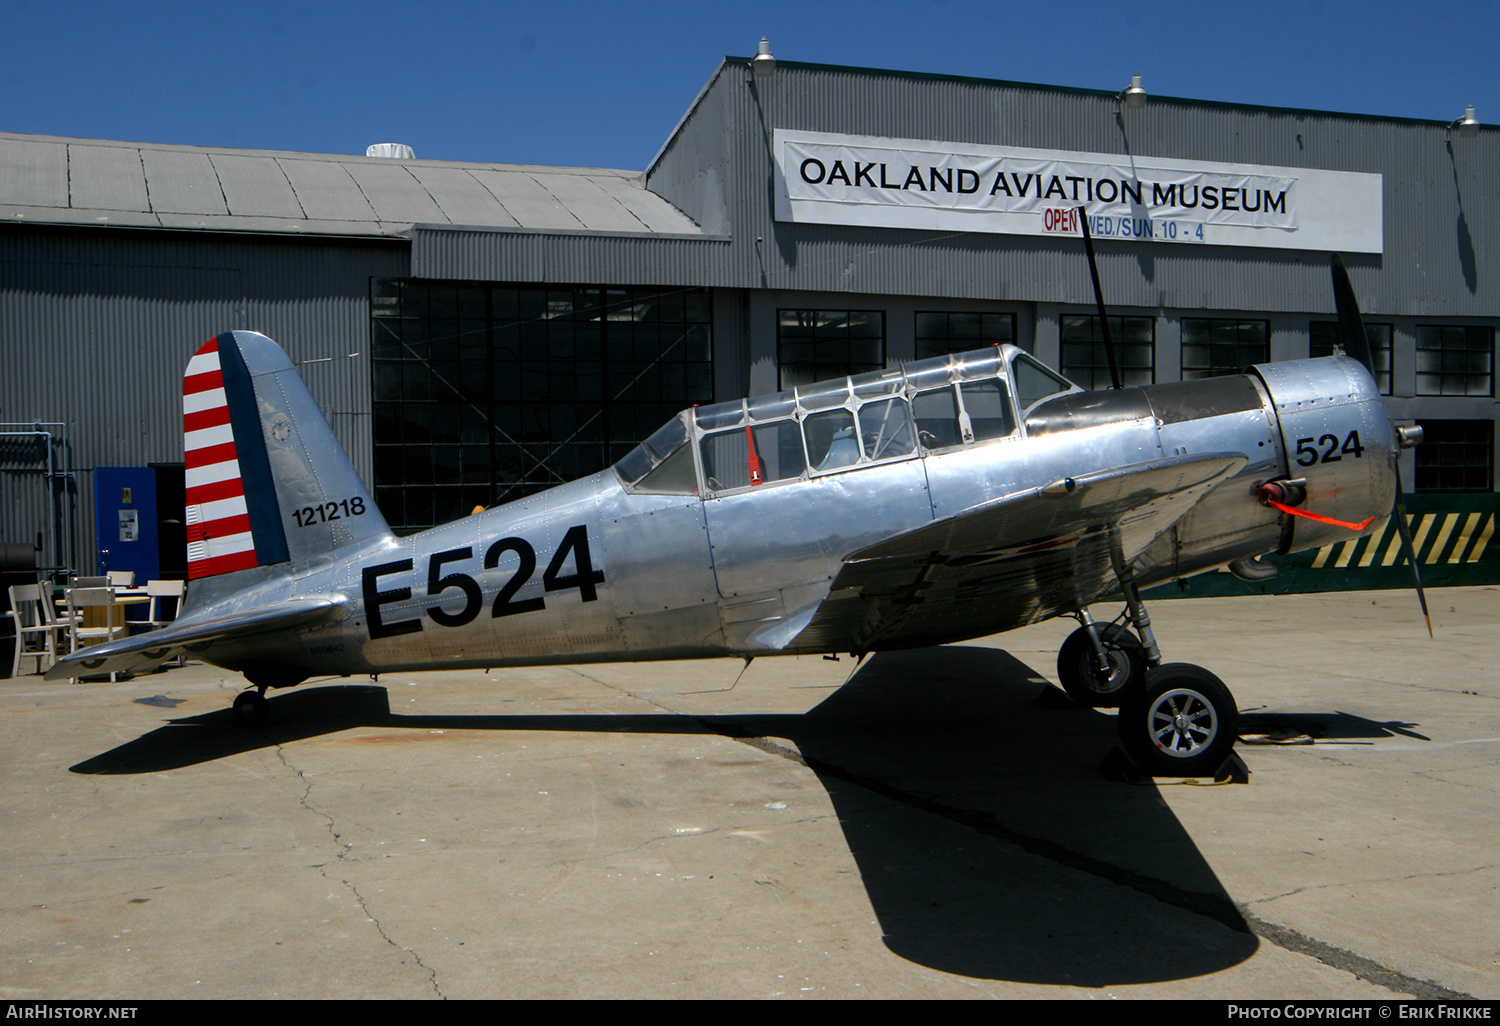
(988, 841)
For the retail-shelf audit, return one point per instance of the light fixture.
(1468, 125)
(1133, 95)
(763, 63)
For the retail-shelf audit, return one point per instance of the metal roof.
(51, 180)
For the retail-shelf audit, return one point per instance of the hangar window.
(1212, 346)
(941, 333)
(1455, 360)
(1456, 456)
(1324, 335)
(487, 393)
(814, 345)
(1084, 359)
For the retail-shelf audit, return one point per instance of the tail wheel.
(1078, 667)
(1184, 723)
(251, 709)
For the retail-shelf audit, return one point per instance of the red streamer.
(1319, 517)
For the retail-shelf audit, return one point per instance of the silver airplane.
(946, 499)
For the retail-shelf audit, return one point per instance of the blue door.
(125, 521)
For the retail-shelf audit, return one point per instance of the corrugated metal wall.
(1440, 206)
(564, 258)
(96, 328)
(95, 325)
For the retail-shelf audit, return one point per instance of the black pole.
(1109, 345)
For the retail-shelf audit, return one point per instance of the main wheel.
(1183, 724)
(251, 708)
(1078, 667)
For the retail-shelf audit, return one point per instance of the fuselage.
(720, 531)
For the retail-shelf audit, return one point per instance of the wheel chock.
(1118, 767)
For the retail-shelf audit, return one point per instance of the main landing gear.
(1176, 719)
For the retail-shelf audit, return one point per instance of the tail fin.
(267, 481)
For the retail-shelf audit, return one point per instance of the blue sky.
(601, 85)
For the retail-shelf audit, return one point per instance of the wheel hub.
(1182, 723)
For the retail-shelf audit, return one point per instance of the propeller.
(1357, 344)
(1109, 344)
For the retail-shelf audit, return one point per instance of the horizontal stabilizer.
(144, 651)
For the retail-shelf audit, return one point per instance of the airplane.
(942, 500)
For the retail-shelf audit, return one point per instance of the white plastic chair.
(39, 634)
(121, 578)
(159, 590)
(155, 612)
(80, 599)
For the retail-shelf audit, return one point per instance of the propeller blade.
(1406, 547)
(1351, 325)
(1109, 344)
(1357, 344)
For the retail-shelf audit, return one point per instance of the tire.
(1183, 724)
(1078, 671)
(251, 709)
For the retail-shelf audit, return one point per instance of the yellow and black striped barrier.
(1453, 535)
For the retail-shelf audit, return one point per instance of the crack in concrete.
(344, 850)
(1373, 880)
(432, 979)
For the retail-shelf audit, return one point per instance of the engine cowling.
(1337, 437)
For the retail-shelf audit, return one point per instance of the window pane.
(886, 429)
(941, 333)
(1455, 360)
(936, 414)
(814, 345)
(675, 476)
(1035, 382)
(725, 463)
(728, 461)
(830, 440)
(1456, 456)
(1213, 346)
(779, 447)
(988, 408)
(1085, 360)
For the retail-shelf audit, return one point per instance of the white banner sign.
(898, 183)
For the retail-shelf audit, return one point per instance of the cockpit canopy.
(933, 405)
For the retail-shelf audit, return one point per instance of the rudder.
(267, 481)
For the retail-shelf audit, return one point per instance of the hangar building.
(477, 332)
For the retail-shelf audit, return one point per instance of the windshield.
(1034, 382)
(641, 460)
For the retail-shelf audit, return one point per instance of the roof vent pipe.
(399, 151)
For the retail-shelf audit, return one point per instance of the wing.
(1008, 562)
(143, 651)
